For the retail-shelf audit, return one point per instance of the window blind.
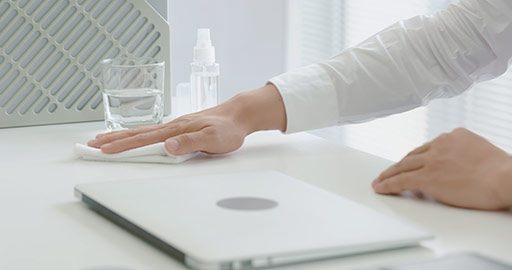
(320, 29)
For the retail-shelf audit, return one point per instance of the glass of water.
(132, 92)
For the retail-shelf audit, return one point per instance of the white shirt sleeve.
(402, 67)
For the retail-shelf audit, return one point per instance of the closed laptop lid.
(245, 219)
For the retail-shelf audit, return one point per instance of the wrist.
(259, 109)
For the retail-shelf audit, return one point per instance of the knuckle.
(211, 135)
(210, 132)
(444, 140)
(388, 172)
(141, 138)
(108, 138)
(171, 129)
(161, 131)
(443, 137)
(185, 119)
(186, 139)
(133, 131)
(399, 165)
(459, 130)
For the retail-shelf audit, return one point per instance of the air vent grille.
(50, 52)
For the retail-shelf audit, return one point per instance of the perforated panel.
(50, 52)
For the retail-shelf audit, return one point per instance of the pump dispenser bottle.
(204, 78)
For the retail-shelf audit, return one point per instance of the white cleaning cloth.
(153, 153)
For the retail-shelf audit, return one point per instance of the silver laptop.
(245, 220)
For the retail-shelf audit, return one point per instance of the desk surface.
(43, 226)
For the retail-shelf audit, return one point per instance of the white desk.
(42, 226)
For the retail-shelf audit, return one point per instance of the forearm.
(402, 67)
(259, 109)
(422, 58)
(504, 183)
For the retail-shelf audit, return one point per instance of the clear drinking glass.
(132, 92)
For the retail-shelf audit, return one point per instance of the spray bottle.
(204, 78)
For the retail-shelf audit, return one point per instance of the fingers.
(409, 163)
(404, 174)
(419, 150)
(141, 139)
(188, 143)
(106, 138)
(412, 161)
(398, 183)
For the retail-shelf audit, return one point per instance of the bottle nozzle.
(204, 52)
(203, 38)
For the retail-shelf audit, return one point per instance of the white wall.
(249, 37)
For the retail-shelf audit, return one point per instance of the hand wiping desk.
(153, 153)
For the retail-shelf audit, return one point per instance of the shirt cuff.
(309, 98)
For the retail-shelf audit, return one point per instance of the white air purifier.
(50, 52)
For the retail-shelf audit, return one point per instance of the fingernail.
(172, 145)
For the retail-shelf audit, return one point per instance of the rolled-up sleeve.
(402, 67)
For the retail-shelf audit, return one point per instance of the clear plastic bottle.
(204, 78)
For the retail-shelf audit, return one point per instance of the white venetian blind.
(320, 29)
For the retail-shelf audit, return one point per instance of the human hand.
(458, 168)
(211, 131)
(218, 130)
